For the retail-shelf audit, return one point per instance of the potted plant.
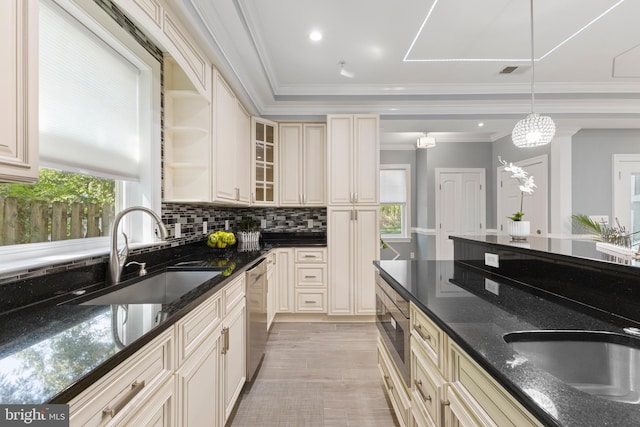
(249, 232)
(519, 229)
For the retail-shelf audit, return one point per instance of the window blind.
(393, 186)
(89, 95)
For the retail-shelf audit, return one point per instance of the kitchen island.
(477, 307)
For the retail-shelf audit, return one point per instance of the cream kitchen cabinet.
(127, 390)
(302, 165)
(160, 23)
(285, 262)
(187, 141)
(394, 386)
(211, 354)
(231, 146)
(353, 244)
(310, 280)
(353, 159)
(19, 89)
(264, 155)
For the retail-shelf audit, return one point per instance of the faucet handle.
(143, 267)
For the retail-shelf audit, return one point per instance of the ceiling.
(429, 65)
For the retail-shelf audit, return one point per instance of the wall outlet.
(309, 223)
(492, 260)
(492, 286)
(412, 255)
(178, 230)
(226, 224)
(263, 223)
(600, 219)
(204, 227)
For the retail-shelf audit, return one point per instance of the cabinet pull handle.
(112, 411)
(310, 277)
(446, 403)
(356, 214)
(225, 340)
(309, 256)
(418, 384)
(386, 381)
(355, 197)
(309, 302)
(424, 336)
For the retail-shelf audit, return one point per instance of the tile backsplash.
(191, 219)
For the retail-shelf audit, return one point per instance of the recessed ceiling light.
(480, 124)
(315, 36)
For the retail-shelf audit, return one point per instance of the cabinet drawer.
(233, 294)
(311, 255)
(311, 302)
(194, 328)
(426, 334)
(125, 387)
(393, 386)
(311, 276)
(483, 395)
(428, 385)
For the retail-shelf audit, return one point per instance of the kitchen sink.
(157, 289)
(603, 364)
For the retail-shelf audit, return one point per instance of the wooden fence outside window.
(43, 221)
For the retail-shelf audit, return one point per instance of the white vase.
(519, 230)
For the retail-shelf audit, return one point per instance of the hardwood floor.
(317, 374)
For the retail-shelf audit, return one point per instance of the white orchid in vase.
(526, 185)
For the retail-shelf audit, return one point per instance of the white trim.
(424, 231)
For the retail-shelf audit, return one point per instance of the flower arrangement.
(526, 185)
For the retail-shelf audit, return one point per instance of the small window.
(395, 222)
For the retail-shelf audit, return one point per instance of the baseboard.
(321, 318)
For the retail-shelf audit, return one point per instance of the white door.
(534, 206)
(290, 164)
(626, 192)
(314, 165)
(460, 206)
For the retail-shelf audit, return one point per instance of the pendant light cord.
(533, 65)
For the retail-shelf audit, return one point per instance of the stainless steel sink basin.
(158, 289)
(603, 364)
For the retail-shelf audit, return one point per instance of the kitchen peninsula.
(477, 367)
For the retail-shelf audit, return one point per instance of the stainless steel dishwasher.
(256, 316)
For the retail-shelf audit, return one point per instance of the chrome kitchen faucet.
(118, 258)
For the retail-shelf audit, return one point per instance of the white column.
(560, 184)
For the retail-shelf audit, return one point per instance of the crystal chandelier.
(534, 130)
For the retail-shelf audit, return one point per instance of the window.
(99, 120)
(395, 197)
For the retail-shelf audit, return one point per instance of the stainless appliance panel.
(256, 317)
(392, 321)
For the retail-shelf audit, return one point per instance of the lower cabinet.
(394, 386)
(310, 280)
(123, 393)
(448, 388)
(190, 375)
(285, 282)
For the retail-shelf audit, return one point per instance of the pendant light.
(534, 130)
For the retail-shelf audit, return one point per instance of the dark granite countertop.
(477, 308)
(53, 349)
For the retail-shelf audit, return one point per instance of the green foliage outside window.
(390, 219)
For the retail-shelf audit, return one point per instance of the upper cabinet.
(231, 145)
(302, 164)
(264, 155)
(187, 138)
(353, 159)
(19, 89)
(160, 24)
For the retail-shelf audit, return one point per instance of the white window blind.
(393, 186)
(91, 124)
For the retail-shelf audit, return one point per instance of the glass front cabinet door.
(264, 185)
